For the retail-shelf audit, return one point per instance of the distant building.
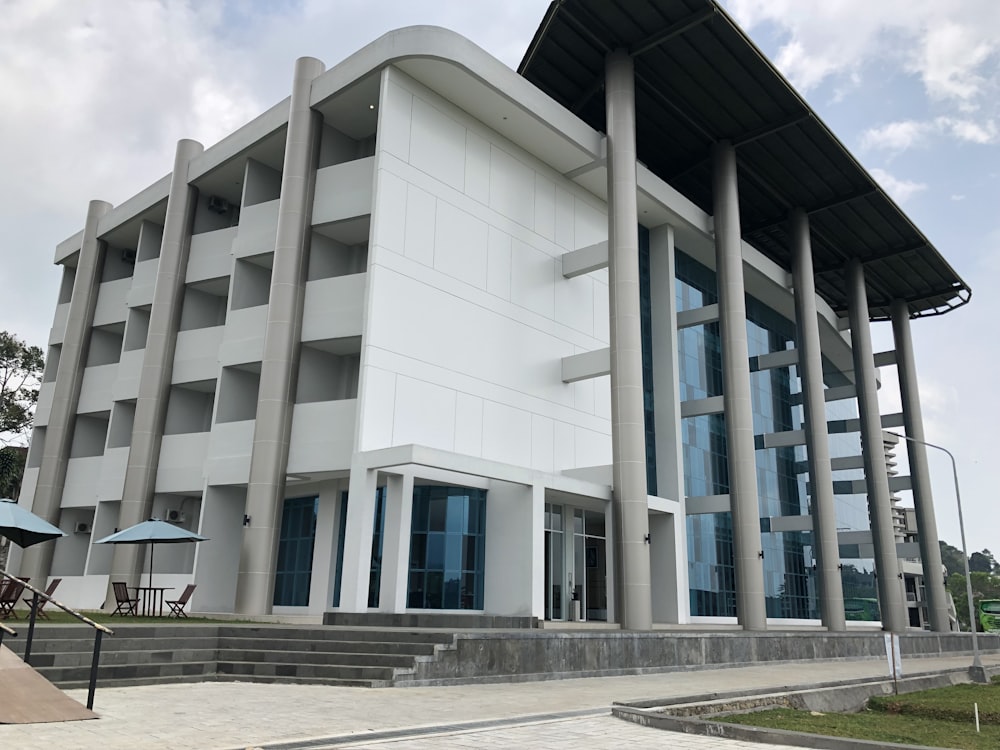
(436, 337)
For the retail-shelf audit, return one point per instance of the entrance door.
(555, 565)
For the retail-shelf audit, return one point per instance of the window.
(447, 548)
(295, 552)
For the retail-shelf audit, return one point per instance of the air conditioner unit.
(82, 527)
(176, 516)
(128, 256)
(218, 204)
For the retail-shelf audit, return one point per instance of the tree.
(982, 562)
(20, 378)
(951, 558)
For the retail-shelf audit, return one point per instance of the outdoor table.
(151, 599)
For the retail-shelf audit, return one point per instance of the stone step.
(339, 646)
(112, 674)
(43, 644)
(311, 657)
(381, 635)
(304, 672)
(109, 658)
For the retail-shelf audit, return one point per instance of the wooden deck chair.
(42, 601)
(177, 605)
(11, 593)
(126, 603)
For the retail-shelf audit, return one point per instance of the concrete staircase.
(156, 654)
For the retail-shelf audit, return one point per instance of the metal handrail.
(99, 630)
(8, 630)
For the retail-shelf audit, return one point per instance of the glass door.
(555, 568)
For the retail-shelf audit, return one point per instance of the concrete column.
(279, 369)
(824, 533)
(396, 543)
(36, 561)
(890, 592)
(628, 435)
(157, 365)
(923, 499)
(747, 551)
(356, 567)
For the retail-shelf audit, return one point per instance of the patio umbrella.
(23, 527)
(152, 532)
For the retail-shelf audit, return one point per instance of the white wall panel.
(477, 167)
(498, 263)
(394, 120)
(111, 481)
(563, 446)
(322, 436)
(542, 437)
(95, 392)
(460, 245)
(182, 462)
(82, 477)
(388, 230)
(574, 303)
(565, 220)
(211, 255)
(378, 389)
(424, 414)
(512, 187)
(437, 144)
(532, 277)
(469, 425)
(421, 208)
(111, 306)
(506, 434)
(545, 207)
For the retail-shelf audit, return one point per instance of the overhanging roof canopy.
(700, 80)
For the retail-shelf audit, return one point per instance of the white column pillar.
(751, 610)
(157, 366)
(36, 561)
(824, 533)
(628, 434)
(396, 543)
(920, 476)
(356, 565)
(279, 368)
(890, 592)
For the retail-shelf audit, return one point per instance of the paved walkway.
(556, 714)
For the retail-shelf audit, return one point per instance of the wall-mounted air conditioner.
(218, 204)
(82, 527)
(175, 515)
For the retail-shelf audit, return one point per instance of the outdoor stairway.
(156, 654)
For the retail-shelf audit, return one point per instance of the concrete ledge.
(450, 621)
(843, 697)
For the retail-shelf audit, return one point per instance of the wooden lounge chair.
(126, 604)
(177, 606)
(8, 598)
(42, 601)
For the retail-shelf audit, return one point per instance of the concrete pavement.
(551, 714)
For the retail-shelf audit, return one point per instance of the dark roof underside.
(699, 80)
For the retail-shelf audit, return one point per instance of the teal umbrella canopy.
(154, 531)
(23, 527)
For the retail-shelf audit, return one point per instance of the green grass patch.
(942, 717)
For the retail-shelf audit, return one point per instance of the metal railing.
(99, 630)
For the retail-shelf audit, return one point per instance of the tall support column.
(628, 436)
(747, 551)
(279, 368)
(923, 500)
(826, 549)
(890, 592)
(36, 561)
(157, 365)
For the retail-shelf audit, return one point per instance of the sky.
(95, 94)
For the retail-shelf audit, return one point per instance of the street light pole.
(977, 672)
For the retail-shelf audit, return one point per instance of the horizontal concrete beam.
(790, 523)
(839, 426)
(697, 506)
(774, 360)
(859, 487)
(586, 365)
(786, 439)
(697, 317)
(699, 407)
(884, 359)
(586, 259)
(840, 393)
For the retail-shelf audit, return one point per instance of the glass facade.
(788, 562)
(646, 326)
(296, 540)
(447, 548)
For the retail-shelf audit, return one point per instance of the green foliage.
(952, 559)
(12, 459)
(983, 562)
(984, 586)
(20, 377)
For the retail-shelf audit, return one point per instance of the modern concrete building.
(589, 340)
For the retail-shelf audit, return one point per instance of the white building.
(363, 344)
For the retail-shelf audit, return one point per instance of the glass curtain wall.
(296, 540)
(447, 548)
(789, 586)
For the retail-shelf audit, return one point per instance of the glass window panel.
(437, 510)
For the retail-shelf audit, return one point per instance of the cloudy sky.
(95, 95)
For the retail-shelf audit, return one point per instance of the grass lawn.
(941, 718)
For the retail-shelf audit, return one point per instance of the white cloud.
(907, 134)
(900, 190)
(895, 136)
